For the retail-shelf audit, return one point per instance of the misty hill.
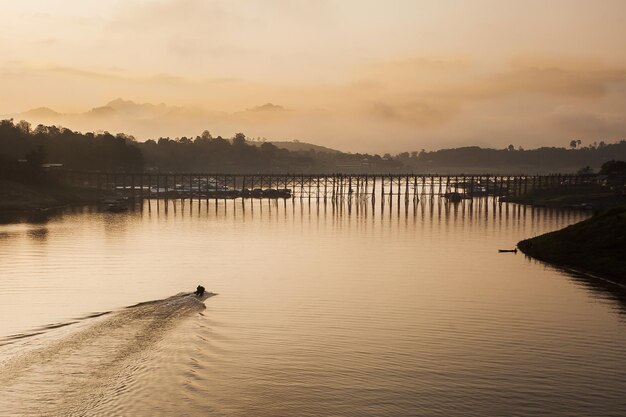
(473, 159)
(129, 108)
(115, 108)
(267, 107)
(104, 111)
(40, 112)
(295, 146)
(148, 120)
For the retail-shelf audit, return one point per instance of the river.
(323, 309)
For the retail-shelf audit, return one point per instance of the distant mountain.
(267, 107)
(104, 111)
(151, 121)
(125, 109)
(142, 110)
(41, 112)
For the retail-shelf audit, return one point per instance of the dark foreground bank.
(596, 245)
(588, 196)
(16, 196)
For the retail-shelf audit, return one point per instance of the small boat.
(117, 208)
(507, 250)
(453, 197)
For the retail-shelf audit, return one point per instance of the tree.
(268, 150)
(24, 126)
(36, 157)
(613, 167)
(206, 135)
(239, 139)
(511, 148)
(573, 143)
(34, 161)
(404, 156)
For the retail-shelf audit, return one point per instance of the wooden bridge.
(323, 186)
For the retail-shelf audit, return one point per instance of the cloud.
(83, 72)
(543, 80)
(418, 64)
(169, 15)
(459, 78)
(112, 74)
(589, 125)
(416, 113)
(430, 100)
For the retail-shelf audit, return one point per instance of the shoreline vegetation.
(18, 197)
(582, 197)
(104, 151)
(595, 246)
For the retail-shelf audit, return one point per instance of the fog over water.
(401, 308)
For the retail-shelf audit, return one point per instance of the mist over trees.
(205, 153)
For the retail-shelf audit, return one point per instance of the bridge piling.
(334, 186)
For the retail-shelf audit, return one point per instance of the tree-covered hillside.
(204, 153)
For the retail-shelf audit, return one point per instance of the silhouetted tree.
(239, 139)
(24, 126)
(34, 162)
(613, 167)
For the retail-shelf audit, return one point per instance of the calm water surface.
(323, 310)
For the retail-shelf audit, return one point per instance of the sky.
(356, 75)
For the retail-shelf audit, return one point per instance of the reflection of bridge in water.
(327, 186)
(479, 211)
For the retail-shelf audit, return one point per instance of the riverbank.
(596, 245)
(586, 197)
(17, 196)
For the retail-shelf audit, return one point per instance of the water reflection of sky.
(333, 303)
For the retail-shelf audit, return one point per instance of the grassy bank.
(589, 196)
(17, 196)
(596, 245)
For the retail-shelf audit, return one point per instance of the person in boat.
(200, 291)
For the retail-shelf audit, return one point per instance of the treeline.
(74, 150)
(510, 160)
(204, 153)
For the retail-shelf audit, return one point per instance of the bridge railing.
(207, 185)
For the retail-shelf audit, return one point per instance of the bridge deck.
(206, 185)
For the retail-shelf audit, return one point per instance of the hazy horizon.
(359, 77)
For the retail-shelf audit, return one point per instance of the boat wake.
(74, 373)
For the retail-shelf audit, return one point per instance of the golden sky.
(382, 76)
